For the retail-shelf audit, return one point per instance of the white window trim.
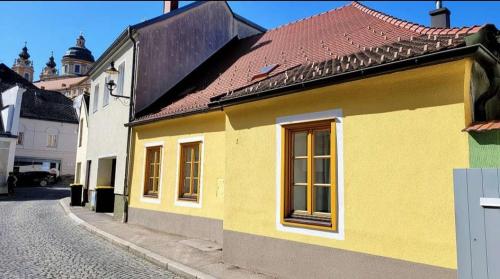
(309, 117)
(182, 203)
(156, 200)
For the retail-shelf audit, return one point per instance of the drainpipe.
(126, 190)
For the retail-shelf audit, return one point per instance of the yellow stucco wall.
(168, 132)
(402, 138)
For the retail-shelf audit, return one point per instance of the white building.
(105, 145)
(40, 125)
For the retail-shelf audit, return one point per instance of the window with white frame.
(52, 141)
(105, 97)
(121, 79)
(309, 174)
(96, 97)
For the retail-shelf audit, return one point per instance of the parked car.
(33, 178)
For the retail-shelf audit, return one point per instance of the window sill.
(150, 196)
(308, 224)
(188, 199)
(150, 199)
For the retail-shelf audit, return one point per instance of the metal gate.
(477, 219)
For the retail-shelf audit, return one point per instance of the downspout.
(126, 190)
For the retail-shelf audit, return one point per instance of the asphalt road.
(38, 240)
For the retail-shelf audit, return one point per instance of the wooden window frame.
(147, 169)
(193, 197)
(318, 221)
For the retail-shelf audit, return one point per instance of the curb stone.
(151, 257)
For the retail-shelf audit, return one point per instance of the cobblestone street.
(37, 240)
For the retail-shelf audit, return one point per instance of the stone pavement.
(37, 240)
(193, 258)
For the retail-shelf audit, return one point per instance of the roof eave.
(171, 116)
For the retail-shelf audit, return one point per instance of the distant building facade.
(72, 79)
(38, 128)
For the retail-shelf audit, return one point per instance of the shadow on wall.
(405, 90)
(199, 124)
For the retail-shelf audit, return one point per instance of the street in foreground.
(38, 240)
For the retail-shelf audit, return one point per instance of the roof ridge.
(305, 18)
(415, 27)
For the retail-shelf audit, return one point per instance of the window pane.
(187, 170)
(185, 189)
(300, 144)
(322, 143)
(299, 197)
(195, 186)
(197, 153)
(299, 171)
(322, 171)
(155, 185)
(149, 187)
(322, 199)
(195, 170)
(187, 154)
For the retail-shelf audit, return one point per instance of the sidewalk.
(192, 258)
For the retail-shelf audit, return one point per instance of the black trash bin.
(104, 199)
(76, 195)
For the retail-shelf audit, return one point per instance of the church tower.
(23, 66)
(78, 59)
(49, 71)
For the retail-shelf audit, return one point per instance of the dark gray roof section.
(38, 103)
(48, 105)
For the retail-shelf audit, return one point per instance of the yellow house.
(319, 149)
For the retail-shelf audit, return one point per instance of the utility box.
(76, 194)
(104, 199)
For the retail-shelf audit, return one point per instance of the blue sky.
(54, 26)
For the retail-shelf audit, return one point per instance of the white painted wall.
(81, 151)
(107, 135)
(11, 100)
(35, 141)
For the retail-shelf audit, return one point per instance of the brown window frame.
(147, 170)
(309, 219)
(191, 196)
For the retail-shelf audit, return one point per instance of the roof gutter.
(478, 50)
(151, 120)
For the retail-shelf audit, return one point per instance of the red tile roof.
(331, 35)
(483, 126)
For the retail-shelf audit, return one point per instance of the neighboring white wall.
(7, 150)
(11, 99)
(81, 151)
(35, 141)
(107, 135)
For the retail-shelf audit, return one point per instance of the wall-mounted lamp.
(112, 75)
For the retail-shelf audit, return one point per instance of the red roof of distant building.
(331, 35)
(483, 126)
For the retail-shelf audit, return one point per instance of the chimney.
(440, 17)
(169, 6)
